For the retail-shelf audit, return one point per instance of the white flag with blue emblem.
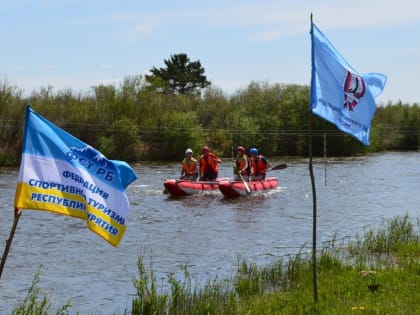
(61, 174)
(339, 93)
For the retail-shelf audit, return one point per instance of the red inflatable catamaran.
(181, 187)
(233, 189)
(240, 188)
(228, 187)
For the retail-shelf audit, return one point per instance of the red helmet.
(242, 149)
(204, 149)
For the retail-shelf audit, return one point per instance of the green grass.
(378, 273)
(36, 303)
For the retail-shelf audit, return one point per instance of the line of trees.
(144, 119)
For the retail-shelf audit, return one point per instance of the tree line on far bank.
(141, 120)
(132, 123)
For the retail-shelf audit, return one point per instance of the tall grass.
(36, 303)
(399, 231)
(350, 281)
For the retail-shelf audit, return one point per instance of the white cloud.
(108, 81)
(277, 19)
(105, 66)
(141, 29)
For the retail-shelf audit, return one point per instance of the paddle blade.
(279, 167)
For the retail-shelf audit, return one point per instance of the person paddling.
(259, 165)
(241, 165)
(189, 166)
(209, 165)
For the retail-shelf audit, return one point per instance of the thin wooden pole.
(314, 214)
(9, 241)
(311, 172)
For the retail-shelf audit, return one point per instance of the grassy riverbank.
(377, 273)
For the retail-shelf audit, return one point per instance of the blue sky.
(78, 44)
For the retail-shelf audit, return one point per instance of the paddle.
(277, 167)
(248, 190)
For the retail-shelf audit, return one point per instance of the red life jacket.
(210, 161)
(259, 166)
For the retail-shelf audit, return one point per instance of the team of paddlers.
(252, 166)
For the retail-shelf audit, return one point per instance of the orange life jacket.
(258, 166)
(210, 161)
(189, 166)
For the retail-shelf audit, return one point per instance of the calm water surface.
(208, 233)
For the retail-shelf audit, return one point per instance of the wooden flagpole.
(314, 214)
(9, 240)
(311, 172)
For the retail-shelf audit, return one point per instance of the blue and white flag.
(61, 174)
(339, 93)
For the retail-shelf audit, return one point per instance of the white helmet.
(188, 151)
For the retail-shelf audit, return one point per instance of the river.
(207, 233)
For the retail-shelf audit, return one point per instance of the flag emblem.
(354, 89)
